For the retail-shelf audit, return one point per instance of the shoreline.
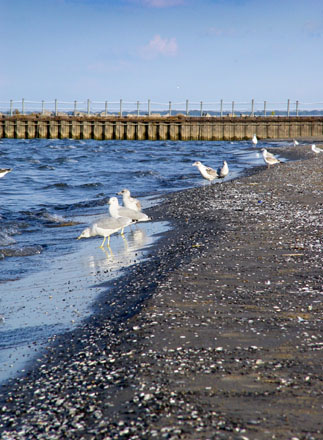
(197, 343)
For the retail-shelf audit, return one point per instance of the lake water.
(48, 279)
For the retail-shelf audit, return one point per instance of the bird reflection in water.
(133, 241)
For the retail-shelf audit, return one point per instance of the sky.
(162, 50)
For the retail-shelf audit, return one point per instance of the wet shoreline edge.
(128, 298)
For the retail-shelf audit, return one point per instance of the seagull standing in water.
(295, 143)
(105, 227)
(117, 211)
(269, 158)
(128, 201)
(316, 149)
(4, 171)
(254, 140)
(206, 172)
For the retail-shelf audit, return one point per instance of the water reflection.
(57, 299)
(122, 252)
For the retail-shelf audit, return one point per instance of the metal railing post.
(288, 107)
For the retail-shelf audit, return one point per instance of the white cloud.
(159, 46)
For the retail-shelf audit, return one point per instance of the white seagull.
(223, 171)
(295, 142)
(254, 140)
(117, 211)
(207, 172)
(316, 149)
(269, 158)
(128, 201)
(4, 171)
(105, 227)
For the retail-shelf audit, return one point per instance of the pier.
(175, 128)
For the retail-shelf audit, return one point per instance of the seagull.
(105, 227)
(207, 172)
(117, 211)
(316, 149)
(4, 171)
(223, 171)
(295, 142)
(128, 201)
(254, 140)
(269, 158)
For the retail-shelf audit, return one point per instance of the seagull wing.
(270, 155)
(272, 159)
(113, 223)
(136, 203)
(211, 172)
(132, 214)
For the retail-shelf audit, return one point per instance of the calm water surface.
(48, 279)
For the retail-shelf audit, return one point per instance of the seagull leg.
(103, 242)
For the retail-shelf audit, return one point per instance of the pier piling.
(152, 128)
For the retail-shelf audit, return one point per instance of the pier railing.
(122, 108)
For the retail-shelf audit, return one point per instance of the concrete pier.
(160, 128)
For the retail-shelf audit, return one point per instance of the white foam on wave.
(54, 218)
(6, 238)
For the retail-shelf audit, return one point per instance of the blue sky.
(162, 49)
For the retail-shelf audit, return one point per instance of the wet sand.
(216, 337)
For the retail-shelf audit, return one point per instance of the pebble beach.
(216, 336)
